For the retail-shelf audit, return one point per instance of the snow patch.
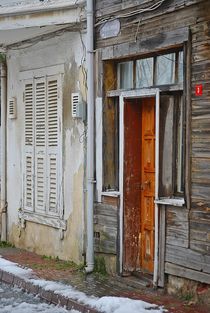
(13, 268)
(104, 304)
(26, 307)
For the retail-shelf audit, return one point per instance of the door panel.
(148, 183)
(132, 185)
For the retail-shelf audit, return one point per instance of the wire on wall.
(132, 13)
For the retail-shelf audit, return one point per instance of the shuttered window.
(42, 167)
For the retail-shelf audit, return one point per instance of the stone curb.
(48, 296)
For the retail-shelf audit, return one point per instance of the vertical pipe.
(3, 151)
(90, 136)
(157, 132)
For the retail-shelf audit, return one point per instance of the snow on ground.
(13, 268)
(25, 307)
(104, 304)
(13, 300)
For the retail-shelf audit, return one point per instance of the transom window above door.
(165, 69)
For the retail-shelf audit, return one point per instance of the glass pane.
(166, 146)
(111, 145)
(165, 69)
(125, 75)
(144, 73)
(180, 67)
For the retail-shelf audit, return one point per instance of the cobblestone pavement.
(56, 270)
(14, 300)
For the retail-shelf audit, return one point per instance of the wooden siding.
(177, 227)
(187, 250)
(105, 228)
(200, 212)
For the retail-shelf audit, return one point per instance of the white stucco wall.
(67, 50)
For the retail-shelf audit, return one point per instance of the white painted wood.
(42, 219)
(121, 174)
(40, 144)
(28, 168)
(171, 201)
(99, 147)
(131, 94)
(114, 194)
(157, 136)
(43, 132)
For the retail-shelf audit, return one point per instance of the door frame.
(133, 94)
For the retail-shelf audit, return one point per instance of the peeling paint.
(36, 237)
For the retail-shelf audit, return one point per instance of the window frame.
(46, 217)
(176, 87)
(176, 52)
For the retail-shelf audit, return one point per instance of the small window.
(165, 69)
(125, 75)
(144, 73)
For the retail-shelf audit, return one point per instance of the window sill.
(120, 92)
(180, 202)
(55, 222)
(110, 193)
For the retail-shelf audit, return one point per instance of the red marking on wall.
(198, 90)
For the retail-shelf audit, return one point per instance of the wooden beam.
(147, 45)
(187, 273)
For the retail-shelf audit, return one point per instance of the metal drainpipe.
(90, 136)
(3, 151)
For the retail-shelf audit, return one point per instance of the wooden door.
(132, 185)
(139, 184)
(148, 184)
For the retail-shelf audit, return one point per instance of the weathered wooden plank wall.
(106, 227)
(187, 229)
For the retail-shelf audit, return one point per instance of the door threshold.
(137, 279)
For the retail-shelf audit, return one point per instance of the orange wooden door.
(147, 184)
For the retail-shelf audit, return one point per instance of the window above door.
(163, 69)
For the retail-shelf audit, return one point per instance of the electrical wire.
(132, 13)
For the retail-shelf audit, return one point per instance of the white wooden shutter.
(29, 144)
(43, 146)
(40, 145)
(53, 146)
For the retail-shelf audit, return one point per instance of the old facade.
(152, 95)
(152, 137)
(44, 172)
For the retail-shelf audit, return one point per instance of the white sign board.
(110, 29)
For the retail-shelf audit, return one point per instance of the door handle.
(145, 184)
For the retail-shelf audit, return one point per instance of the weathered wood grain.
(177, 270)
(176, 23)
(162, 246)
(105, 228)
(177, 226)
(187, 258)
